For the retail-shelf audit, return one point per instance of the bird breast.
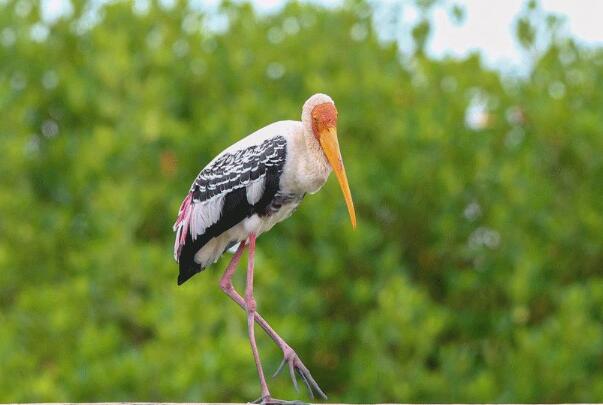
(306, 169)
(314, 177)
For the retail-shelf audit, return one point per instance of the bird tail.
(186, 259)
(197, 254)
(207, 250)
(181, 227)
(184, 246)
(187, 272)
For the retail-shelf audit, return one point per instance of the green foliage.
(475, 273)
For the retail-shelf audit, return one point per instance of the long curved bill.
(330, 146)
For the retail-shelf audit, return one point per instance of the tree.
(475, 272)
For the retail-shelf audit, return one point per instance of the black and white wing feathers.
(235, 186)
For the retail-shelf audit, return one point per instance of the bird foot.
(296, 365)
(268, 400)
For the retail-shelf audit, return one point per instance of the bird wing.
(234, 186)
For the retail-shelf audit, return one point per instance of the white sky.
(487, 26)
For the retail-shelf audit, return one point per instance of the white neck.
(314, 166)
(316, 156)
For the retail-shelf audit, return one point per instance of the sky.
(487, 25)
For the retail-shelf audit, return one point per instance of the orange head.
(324, 116)
(324, 127)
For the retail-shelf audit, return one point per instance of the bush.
(474, 274)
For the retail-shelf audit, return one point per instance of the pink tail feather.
(181, 227)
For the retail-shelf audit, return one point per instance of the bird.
(243, 192)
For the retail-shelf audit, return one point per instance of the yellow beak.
(330, 146)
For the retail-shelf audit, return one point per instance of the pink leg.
(290, 357)
(251, 306)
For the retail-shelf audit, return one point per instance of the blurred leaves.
(475, 274)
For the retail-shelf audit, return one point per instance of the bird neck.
(316, 164)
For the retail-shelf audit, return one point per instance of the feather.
(205, 214)
(255, 190)
(182, 224)
(236, 185)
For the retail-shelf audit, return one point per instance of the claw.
(274, 401)
(280, 367)
(307, 384)
(311, 381)
(295, 364)
(293, 376)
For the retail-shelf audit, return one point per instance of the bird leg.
(289, 355)
(251, 306)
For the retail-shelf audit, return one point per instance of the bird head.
(323, 115)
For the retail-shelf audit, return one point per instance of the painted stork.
(247, 189)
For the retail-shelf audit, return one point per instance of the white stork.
(247, 189)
